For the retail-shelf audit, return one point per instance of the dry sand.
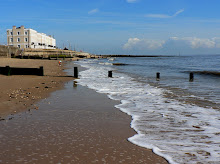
(18, 93)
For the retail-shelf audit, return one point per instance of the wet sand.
(73, 125)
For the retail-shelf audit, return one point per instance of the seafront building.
(28, 38)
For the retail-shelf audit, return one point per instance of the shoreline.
(93, 113)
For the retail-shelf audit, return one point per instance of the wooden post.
(74, 83)
(76, 72)
(191, 77)
(41, 71)
(109, 73)
(8, 70)
(158, 76)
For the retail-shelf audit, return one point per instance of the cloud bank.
(172, 42)
(164, 15)
(194, 42)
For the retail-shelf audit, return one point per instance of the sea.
(177, 118)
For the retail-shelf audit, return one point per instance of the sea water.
(179, 120)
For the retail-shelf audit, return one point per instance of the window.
(11, 39)
(26, 46)
(18, 40)
(26, 33)
(18, 33)
(11, 33)
(26, 39)
(19, 46)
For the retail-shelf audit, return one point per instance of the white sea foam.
(181, 133)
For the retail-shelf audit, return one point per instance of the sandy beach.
(19, 93)
(72, 125)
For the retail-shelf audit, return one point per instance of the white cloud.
(172, 43)
(143, 44)
(164, 15)
(178, 12)
(217, 42)
(194, 42)
(132, 1)
(93, 11)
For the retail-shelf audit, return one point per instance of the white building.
(28, 38)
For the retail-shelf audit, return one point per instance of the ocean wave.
(182, 133)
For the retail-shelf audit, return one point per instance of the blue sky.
(156, 27)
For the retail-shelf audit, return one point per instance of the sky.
(139, 27)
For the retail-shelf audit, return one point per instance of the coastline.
(95, 117)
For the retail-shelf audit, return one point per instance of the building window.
(11, 33)
(18, 39)
(26, 32)
(18, 33)
(26, 39)
(11, 39)
(19, 46)
(26, 46)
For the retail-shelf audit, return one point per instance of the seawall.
(8, 51)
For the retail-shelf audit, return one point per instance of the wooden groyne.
(21, 71)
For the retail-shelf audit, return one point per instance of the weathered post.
(158, 76)
(8, 70)
(41, 71)
(76, 72)
(74, 84)
(109, 73)
(191, 77)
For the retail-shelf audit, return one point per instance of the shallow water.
(176, 118)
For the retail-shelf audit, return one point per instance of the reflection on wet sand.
(75, 125)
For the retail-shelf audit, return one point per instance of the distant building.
(28, 38)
